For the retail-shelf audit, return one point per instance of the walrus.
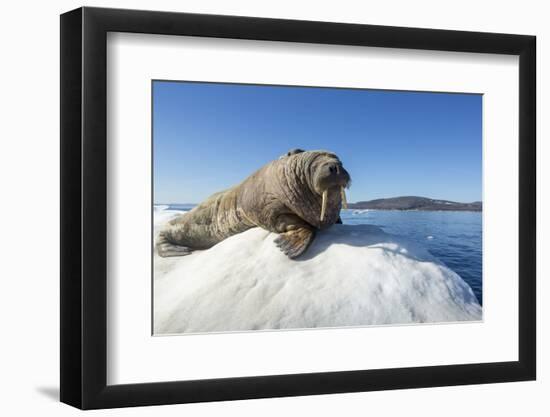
(294, 196)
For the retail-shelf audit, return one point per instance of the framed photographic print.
(258, 207)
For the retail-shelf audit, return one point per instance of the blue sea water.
(454, 237)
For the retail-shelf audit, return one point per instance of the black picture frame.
(84, 207)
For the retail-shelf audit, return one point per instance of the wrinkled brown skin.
(284, 197)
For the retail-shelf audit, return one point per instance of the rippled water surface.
(453, 237)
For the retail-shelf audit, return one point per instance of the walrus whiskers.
(324, 204)
(344, 201)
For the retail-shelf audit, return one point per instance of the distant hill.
(416, 203)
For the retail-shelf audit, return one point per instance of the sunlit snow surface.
(352, 275)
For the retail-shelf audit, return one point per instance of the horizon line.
(373, 199)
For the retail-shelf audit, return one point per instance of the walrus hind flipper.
(294, 242)
(166, 249)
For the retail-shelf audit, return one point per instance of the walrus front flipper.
(294, 242)
(166, 249)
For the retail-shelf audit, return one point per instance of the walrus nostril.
(333, 169)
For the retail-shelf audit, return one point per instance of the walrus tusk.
(344, 201)
(324, 204)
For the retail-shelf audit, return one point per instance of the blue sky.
(208, 137)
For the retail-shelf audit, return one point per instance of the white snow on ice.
(162, 215)
(352, 275)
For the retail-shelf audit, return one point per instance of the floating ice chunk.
(352, 275)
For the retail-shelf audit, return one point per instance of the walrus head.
(325, 178)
